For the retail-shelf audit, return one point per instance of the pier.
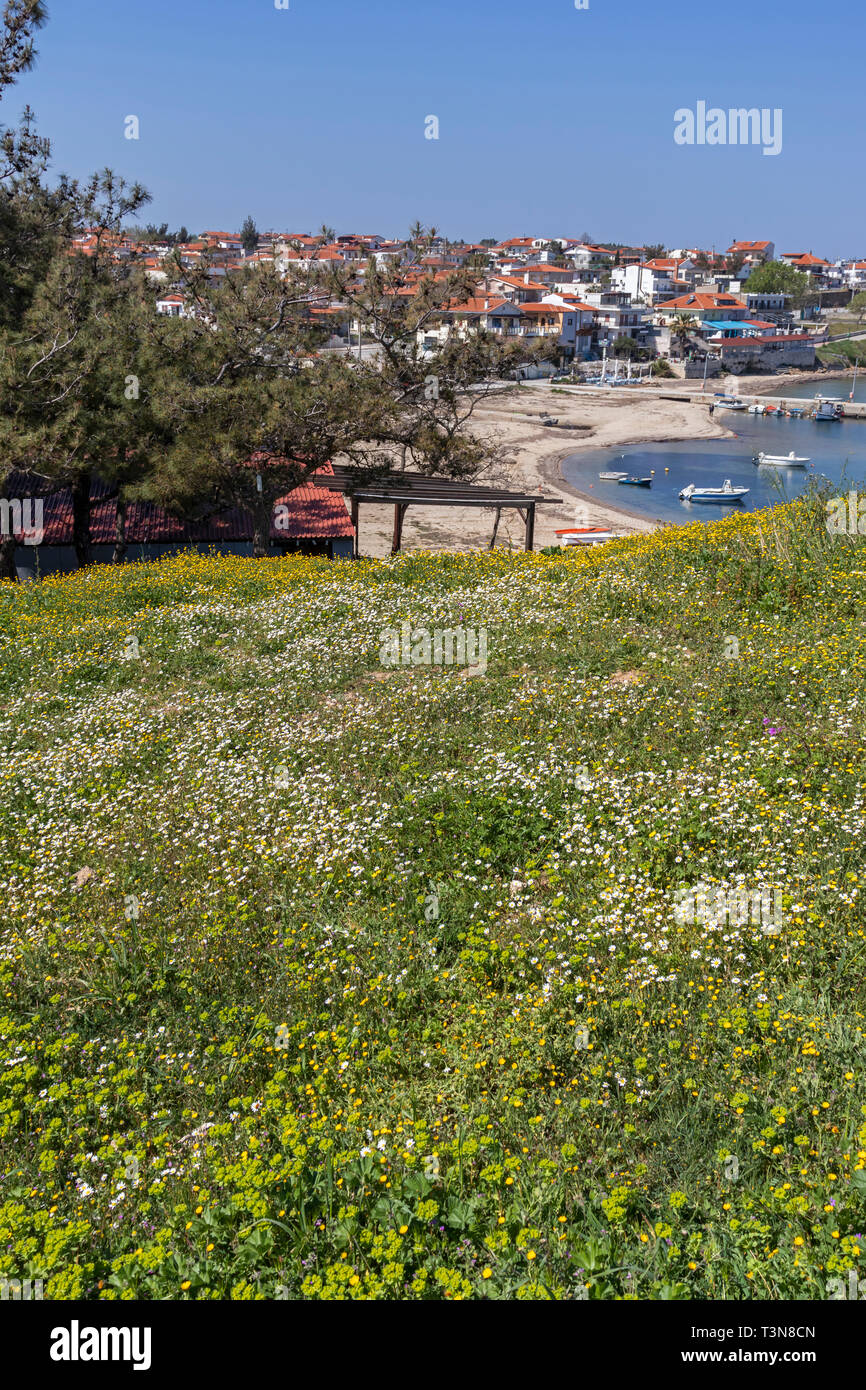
(854, 410)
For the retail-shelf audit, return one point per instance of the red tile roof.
(482, 304)
(314, 513)
(703, 301)
(535, 269)
(517, 282)
(546, 309)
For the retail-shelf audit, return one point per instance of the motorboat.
(635, 482)
(827, 410)
(730, 403)
(757, 409)
(612, 477)
(725, 493)
(791, 460)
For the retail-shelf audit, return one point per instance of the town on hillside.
(644, 304)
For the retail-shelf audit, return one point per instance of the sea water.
(836, 450)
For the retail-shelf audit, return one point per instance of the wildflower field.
(327, 980)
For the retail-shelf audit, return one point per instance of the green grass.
(853, 349)
(409, 943)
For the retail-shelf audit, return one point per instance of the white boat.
(757, 409)
(612, 477)
(730, 403)
(584, 535)
(791, 460)
(725, 493)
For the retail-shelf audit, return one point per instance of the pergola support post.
(355, 525)
(399, 514)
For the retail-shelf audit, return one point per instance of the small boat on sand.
(791, 460)
(726, 493)
(584, 535)
(635, 482)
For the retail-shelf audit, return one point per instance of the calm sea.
(836, 450)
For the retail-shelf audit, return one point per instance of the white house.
(564, 322)
(616, 315)
(174, 306)
(590, 258)
(718, 308)
(654, 281)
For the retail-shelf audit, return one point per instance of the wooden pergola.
(405, 489)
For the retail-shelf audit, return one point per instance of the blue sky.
(552, 120)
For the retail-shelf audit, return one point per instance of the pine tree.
(249, 236)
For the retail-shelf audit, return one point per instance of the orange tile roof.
(546, 309)
(481, 304)
(703, 301)
(517, 282)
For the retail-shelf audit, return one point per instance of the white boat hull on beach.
(584, 535)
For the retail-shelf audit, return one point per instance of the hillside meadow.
(328, 979)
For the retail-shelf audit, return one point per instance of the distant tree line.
(154, 233)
